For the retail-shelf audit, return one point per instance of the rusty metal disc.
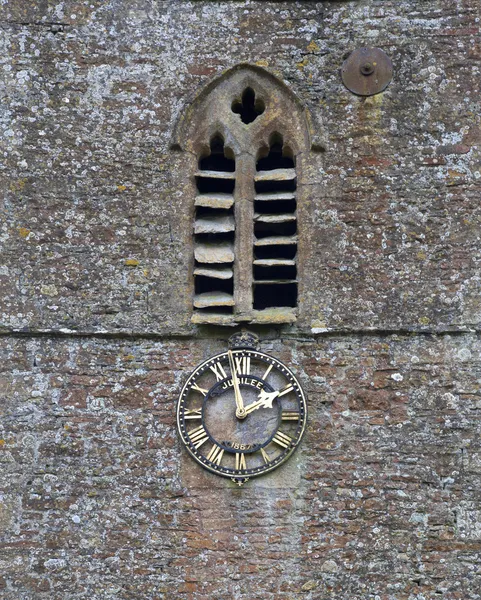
(367, 71)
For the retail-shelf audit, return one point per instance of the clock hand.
(240, 413)
(265, 401)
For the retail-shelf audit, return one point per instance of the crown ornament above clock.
(241, 413)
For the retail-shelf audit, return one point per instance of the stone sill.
(260, 317)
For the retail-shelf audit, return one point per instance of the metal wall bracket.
(367, 71)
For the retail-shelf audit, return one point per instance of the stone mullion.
(244, 236)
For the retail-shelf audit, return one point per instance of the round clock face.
(241, 414)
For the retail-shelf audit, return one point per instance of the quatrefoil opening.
(250, 107)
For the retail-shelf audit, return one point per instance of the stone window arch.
(246, 136)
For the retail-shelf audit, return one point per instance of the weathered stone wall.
(97, 498)
(381, 500)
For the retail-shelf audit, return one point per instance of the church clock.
(241, 413)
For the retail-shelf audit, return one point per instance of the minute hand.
(265, 401)
(240, 412)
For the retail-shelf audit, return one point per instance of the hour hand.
(265, 401)
(267, 398)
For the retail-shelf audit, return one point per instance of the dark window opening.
(278, 273)
(278, 156)
(263, 230)
(274, 206)
(275, 186)
(250, 107)
(287, 251)
(208, 212)
(211, 185)
(215, 238)
(275, 295)
(219, 159)
(204, 285)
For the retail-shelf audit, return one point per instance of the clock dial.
(241, 414)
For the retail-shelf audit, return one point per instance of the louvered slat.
(214, 224)
(211, 253)
(274, 196)
(280, 218)
(224, 201)
(274, 281)
(216, 174)
(274, 262)
(279, 240)
(276, 175)
(212, 299)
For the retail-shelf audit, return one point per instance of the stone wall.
(97, 498)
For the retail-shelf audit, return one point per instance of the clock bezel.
(240, 475)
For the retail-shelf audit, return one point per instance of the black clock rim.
(247, 473)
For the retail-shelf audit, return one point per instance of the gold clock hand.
(252, 407)
(265, 401)
(240, 412)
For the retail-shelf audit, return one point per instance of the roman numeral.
(269, 369)
(196, 413)
(282, 439)
(215, 455)
(240, 461)
(243, 365)
(290, 415)
(285, 390)
(265, 456)
(198, 436)
(218, 371)
(199, 389)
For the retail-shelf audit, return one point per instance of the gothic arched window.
(247, 133)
